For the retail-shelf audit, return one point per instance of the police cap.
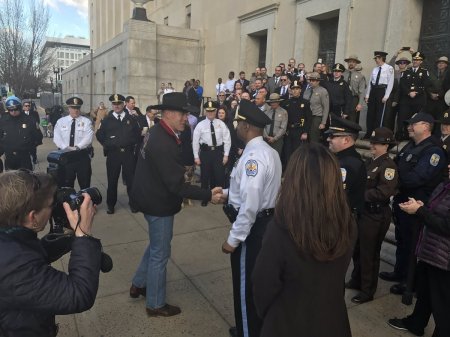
(379, 54)
(420, 117)
(117, 98)
(341, 126)
(339, 67)
(418, 56)
(74, 102)
(296, 84)
(210, 106)
(382, 136)
(251, 114)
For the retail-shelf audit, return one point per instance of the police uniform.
(445, 139)
(412, 80)
(119, 134)
(75, 135)
(435, 106)
(254, 184)
(319, 102)
(380, 86)
(381, 185)
(279, 122)
(18, 136)
(420, 168)
(211, 141)
(357, 84)
(340, 94)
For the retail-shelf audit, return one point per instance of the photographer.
(31, 291)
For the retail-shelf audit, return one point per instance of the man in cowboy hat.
(119, 134)
(75, 133)
(435, 103)
(158, 191)
(275, 131)
(319, 102)
(357, 84)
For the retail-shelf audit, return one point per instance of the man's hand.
(394, 104)
(216, 195)
(304, 136)
(359, 107)
(366, 99)
(227, 249)
(225, 160)
(384, 100)
(197, 161)
(412, 94)
(321, 126)
(411, 206)
(270, 140)
(434, 97)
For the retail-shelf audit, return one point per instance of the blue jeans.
(152, 270)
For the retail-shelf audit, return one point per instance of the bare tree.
(24, 62)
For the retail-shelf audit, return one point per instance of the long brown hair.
(313, 205)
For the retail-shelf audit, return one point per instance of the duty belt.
(206, 147)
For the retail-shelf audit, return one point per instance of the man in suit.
(274, 82)
(283, 89)
(244, 82)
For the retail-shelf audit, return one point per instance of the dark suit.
(284, 96)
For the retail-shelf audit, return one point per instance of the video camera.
(58, 241)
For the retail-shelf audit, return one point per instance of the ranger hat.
(382, 136)
(352, 58)
(402, 59)
(296, 84)
(251, 114)
(442, 59)
(13, 102)
(341, 126)
(117, 98)
(210, 106)
(174, 101)
(314, 76)
(420, 117)
(74, 102)
(339, 67)
(274, 98)
(418, 56)
(379, 54)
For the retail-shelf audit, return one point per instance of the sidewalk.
(199, 276)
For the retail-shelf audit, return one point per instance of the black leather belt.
(265, 213)
(206, 147)
(379, 86)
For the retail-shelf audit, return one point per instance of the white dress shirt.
(202, 135)
(220, 87)
(83, 132)
(386, 78)
(254, 184)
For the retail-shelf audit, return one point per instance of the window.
(188, 16)
(166, 20)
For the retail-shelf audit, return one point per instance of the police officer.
(342, 135)
(299, 121)
(357, 84)
(211, 143)
(340, 94)
(28, 109)
(254, 186)
(118, 133)
(378, 92)
(435, 102)
(420, 167)
(275, 131)
(74, 133)
(381, 185)
(412, 95)
(19, 134)
(319, 101)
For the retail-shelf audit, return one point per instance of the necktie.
(283, 91)
(118, 117)
(378, 76)
(272, 125)
(72, 133)
(276, 80)
(349, 77)
(213, 134)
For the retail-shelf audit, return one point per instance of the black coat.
(32, 292)
(19, 133)
(158, 185)
(296, 295)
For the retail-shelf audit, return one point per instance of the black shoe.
(400, 324)
(233, 331)
(390, 276)
(352, 284)
(204, 203)
(362, 298)
(398, 289)
(166, 311)
(110, 210)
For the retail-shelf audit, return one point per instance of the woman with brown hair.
(299, 274)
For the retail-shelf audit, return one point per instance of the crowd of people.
(288, 239)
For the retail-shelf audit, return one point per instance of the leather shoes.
(233, 331)
(352, 284)
(398, 289)
(110, 210)
(166, 311)
(204, 203)
(390, 276)
(135, 291)
(400, 324)
(362, 298)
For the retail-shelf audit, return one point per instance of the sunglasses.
(283, 79)
(12, 110)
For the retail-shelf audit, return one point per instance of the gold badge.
(434, 160)
(75, 101)
(24, 126)
(446, 115)
(444, 146)
(389, 173)
(116, 97)
(420, 74)
(302, 105)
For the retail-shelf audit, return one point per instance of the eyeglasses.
(222, 95)
(26, 105)
(283, 79)
(12, 110)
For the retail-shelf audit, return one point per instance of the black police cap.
(379, 54)
(251, 114)
(342, 126)
(74, 102)
(210, 106)
(117, 98)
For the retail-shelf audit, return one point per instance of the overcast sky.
(68, 17)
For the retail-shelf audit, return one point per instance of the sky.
(68, 17)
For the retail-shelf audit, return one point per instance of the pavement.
(198, 280)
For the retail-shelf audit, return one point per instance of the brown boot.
(166, 311)
(135, 291)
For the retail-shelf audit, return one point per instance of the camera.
(75, 199)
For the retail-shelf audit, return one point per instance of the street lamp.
(139, 12)
(56, 72)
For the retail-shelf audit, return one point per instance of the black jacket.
(32, 292)
(19, 133)
(158, 185)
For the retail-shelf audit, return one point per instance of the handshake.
(217, 196)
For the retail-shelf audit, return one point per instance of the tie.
(72, 133)
(118, 117)
(272, 125)
(213, 134)
(378, 76)
(276, 80)
(283, 91)
(350, 76)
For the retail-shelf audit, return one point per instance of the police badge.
(389, 173)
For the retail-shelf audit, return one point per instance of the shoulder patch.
(434, 160)
(389, 173)
(344, 174)
(251, 168)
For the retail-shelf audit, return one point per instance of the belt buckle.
(122, 150)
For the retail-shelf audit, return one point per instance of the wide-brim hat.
(274, 98)
(174, 101)
(442, 59)
(314, 76)
(382, 136)
(352, 58)
(402, 59)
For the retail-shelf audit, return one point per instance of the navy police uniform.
(75, 134)
(340, 95)
(254, 184)
(119, 134)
